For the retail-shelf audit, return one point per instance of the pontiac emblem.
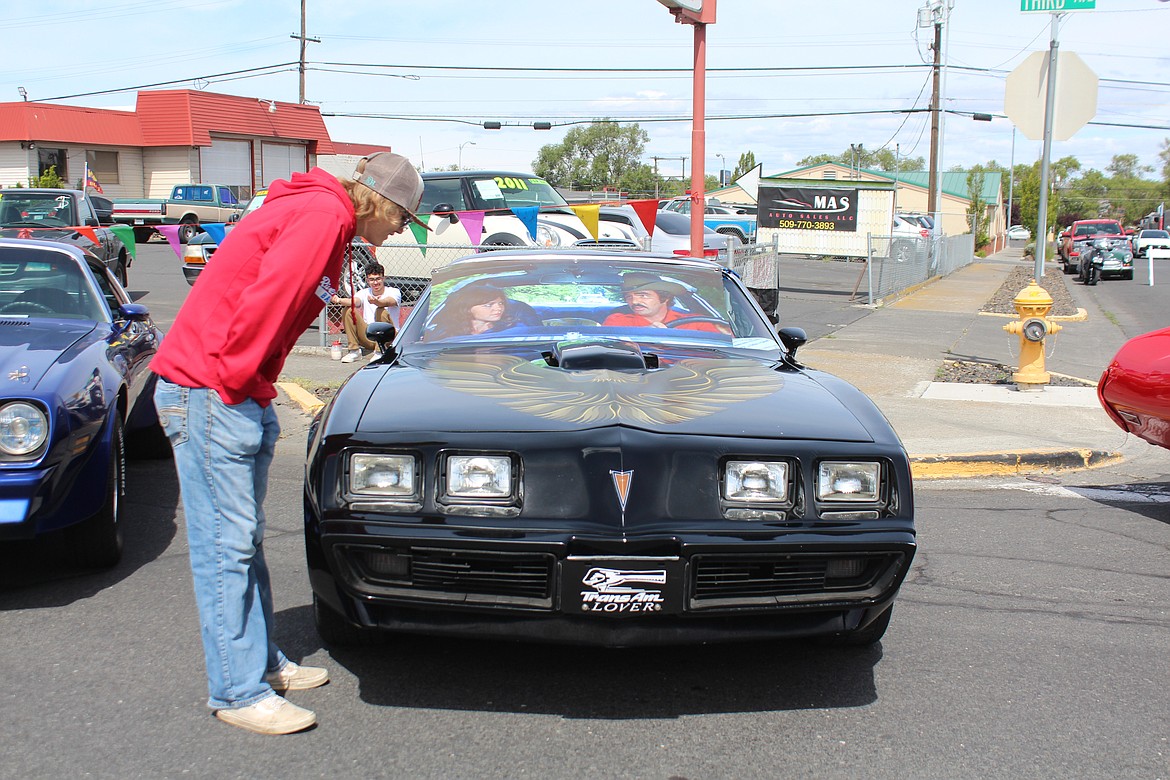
(621, 484)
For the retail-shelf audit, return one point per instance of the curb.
(994, 464)
(309, 403)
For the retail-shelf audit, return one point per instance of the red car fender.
(1134, 389)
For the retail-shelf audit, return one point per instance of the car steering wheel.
(695, 318)
(25, 307)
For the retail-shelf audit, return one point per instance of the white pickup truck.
(188, 205)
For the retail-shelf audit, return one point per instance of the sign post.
(1020, 98)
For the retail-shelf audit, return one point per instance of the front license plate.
(140, 222)
(622, 587)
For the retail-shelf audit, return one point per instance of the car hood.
(30, 347)
(697, 393)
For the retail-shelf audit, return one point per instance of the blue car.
(75, 388)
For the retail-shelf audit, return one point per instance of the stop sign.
(1027, 91)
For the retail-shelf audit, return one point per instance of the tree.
(48, 179)
(886, 160)
(977, 208)
(1127, 166)
(1164, 156)
(592, 157)
(747, 161)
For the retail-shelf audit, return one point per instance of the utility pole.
(938, 14)
(931, 202)
(304, 40)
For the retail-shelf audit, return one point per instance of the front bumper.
(607, 591)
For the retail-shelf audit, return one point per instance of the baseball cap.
(394, 178)
(638, 281)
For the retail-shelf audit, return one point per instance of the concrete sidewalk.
(893, 355)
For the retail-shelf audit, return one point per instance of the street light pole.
(465, 143)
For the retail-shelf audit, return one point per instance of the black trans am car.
(602, 448)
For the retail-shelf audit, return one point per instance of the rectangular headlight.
(849, 481)
(756, 481)
(479, 476)
(383, 476)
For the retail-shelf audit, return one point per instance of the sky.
(423, 77)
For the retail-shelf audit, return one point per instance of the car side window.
(436, 191)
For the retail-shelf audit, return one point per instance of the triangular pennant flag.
(527, 215)
(171, 234)
(646, 210)
(420, 235)
(215, 230)
(472, 222)
(126, 234)
(588, 215)
(88, 233)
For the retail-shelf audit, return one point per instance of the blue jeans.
(222, 455)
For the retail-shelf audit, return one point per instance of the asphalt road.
(1029, 641)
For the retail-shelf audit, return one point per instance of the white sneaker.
(294, 677)
(274, 715)
(351, 357)
(375, 355)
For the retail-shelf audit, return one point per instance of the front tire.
(96, 542)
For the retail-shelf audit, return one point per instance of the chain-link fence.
(899, 262)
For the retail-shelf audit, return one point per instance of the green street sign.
(1056, 6)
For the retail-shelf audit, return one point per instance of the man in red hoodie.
(217, 370)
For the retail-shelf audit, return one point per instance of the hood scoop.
(607, 354)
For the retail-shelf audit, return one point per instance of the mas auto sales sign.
(800, 208)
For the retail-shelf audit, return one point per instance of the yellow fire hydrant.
(1032, 304)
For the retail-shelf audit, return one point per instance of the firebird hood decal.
(683, 391)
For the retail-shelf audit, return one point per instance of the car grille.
(762, 580)
(470, 577)
(527, 579)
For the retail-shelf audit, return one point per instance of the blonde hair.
(368, 204)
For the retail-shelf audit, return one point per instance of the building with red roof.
(172, 137)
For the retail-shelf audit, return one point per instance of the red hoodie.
(260, 291)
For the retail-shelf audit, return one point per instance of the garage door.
(282, 160)
(226, 162)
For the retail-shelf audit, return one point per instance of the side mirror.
(446, 210)
(792, 339)
(134, 311)
(92, 222)
(381, 333)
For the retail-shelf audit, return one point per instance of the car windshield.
(509, 192)
(553, 300)
(1155, 234)
(37, 210)
(37, 283)
(1108, 228)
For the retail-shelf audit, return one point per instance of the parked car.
(77, 355)
(719, 218)
(188, 206)
(623, 222)
(1134, 391)
(1019, 233)
(1144, 240)
(569, 480)
(54, 214)
(924, 220)
(1080, 235)
(672, 236)
(908, 238)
